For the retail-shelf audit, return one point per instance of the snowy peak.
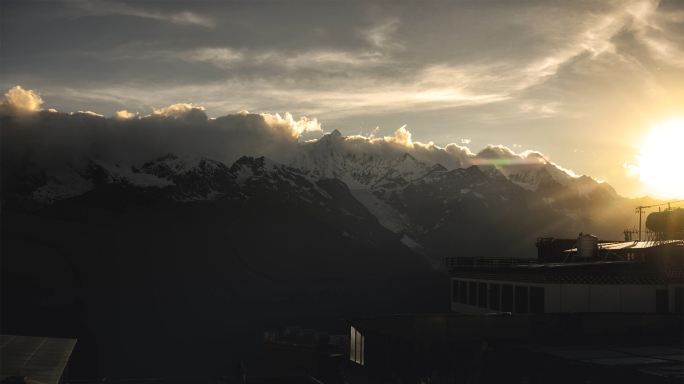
(404, 170)
(492, 172)
(335, 134)
(532, 178)
(329, 157)
(60, 185)
(170, 166)
(266, 179)
(407, 166)
(550, 175)
(179, 178)
(321, 158)
(608, 188)
(250, 167)
(193, 177)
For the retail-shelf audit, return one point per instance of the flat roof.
(633, 245)
(40, 359)
(657, 358)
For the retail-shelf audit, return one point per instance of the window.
(454, 291)
(472, 293)
(356, 347)
(521, 300)
(352, 345)
(536, 300)
(463, 292)
(506, 298)
(482, 295)
(494, 296)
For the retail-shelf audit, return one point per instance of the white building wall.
(671, 296)
(552, 297)
(604, 297)
(575, 298)
(638, 298)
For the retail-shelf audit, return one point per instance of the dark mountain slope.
(163, 288)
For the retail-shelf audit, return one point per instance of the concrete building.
(584, 311)
(625, 277)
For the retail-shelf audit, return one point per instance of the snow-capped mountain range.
(322, 159)
(429, 207)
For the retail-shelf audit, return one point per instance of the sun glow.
(660, 162)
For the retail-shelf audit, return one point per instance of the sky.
(596, 86)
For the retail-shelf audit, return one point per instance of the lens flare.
(509, 161)
(660, 160)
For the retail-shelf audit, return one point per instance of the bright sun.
(660, 160)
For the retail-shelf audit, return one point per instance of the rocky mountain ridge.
(429, 207)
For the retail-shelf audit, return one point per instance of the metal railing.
(482, 262)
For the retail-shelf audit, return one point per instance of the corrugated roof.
(41, 359)
(632, 245)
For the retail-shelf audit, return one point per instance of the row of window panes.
(498, 297)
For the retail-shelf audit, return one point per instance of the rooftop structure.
(37, 359)
(583, 311)
(645, 277)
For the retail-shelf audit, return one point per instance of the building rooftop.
(626, 245)
(39, 359)
(661, 359)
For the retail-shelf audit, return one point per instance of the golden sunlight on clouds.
(19, 101)
(660, 160)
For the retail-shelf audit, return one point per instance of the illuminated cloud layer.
(19, 102)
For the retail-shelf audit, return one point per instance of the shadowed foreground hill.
(155, 288)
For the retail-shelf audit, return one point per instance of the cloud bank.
(36, 139)
(452, 156)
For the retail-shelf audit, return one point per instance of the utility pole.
(640, 210)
